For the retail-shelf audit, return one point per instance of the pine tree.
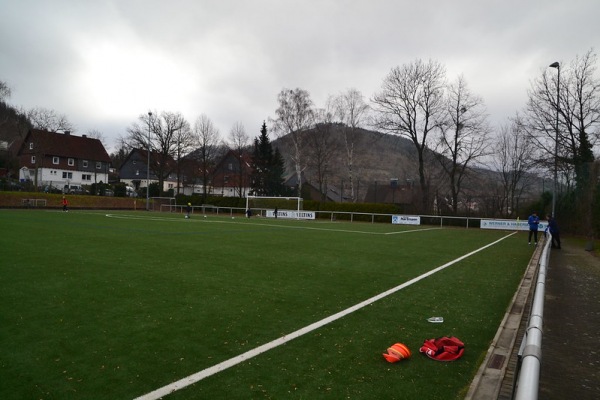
(267, 167)
(276, 180)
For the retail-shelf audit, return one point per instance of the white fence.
(351, 216)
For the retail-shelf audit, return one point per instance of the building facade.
(134, 171)
(62, 160)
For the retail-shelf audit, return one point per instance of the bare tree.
(13, 121)
(321, 145)
(48, 120)
(122, 150)
(185, 144)
(294, 118)
(463, 136)
(410, 103)
(5, 91)
(239, 142)
(96, 134)
(512, 159)
(577, 114)
(352, 111)
(207, 139)
(159, 133)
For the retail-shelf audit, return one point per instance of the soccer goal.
(163, 204)
(274, 207)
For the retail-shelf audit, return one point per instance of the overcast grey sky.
(102, 63)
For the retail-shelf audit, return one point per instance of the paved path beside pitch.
(570, 352)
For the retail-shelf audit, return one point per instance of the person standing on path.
(533, 222)
(553, 229)
(65, 204)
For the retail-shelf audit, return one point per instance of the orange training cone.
(396, 353)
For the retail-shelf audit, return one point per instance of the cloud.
(106, 62)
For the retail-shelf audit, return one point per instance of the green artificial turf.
(107, 307)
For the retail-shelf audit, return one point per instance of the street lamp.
(556, 65)
(148, 170)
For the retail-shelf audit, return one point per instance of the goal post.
(267, 205)
(163, 203)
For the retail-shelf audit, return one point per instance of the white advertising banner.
(406, 220)
(510, 224)
(291, 214)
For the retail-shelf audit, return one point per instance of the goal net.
(286, 207)
(163, 204)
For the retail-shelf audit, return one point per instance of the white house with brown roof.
(62, 160)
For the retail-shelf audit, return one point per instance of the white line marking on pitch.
(313, 228)
(198, 376)
(412, 230)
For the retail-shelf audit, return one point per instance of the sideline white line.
(213, 221)
(412, 230)
(190, 380)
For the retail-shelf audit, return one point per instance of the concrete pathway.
(570, 345)
(571, 341)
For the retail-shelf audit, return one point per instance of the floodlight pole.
(148, 169)
(556, 65)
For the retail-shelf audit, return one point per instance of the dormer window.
(98, 165)
(30, 145)
(71, 162)
(85, 163)
(55, 160)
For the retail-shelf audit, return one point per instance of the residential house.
(312, 192)
(192, 175)
(62, 160)
(231, 175)
(134, 170)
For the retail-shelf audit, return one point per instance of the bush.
(120, 190)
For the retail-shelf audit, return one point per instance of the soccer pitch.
(109, 305)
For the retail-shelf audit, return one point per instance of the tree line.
(447, 124)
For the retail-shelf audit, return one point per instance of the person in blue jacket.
(533, 222)
(553, 229)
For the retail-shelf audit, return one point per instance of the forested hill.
(377, 157)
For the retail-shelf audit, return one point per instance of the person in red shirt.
(65, 204)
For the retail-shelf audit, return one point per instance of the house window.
(71, 162)
(85, 164)
(98, 165)
(67, 175)
(86, 177)
(31, 146)
(137, 172)
(33, 159)
(55, 160)
(230, 166)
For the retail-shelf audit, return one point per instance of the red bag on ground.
(443, 348)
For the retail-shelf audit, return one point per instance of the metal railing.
(348, 216)
(530, 353)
